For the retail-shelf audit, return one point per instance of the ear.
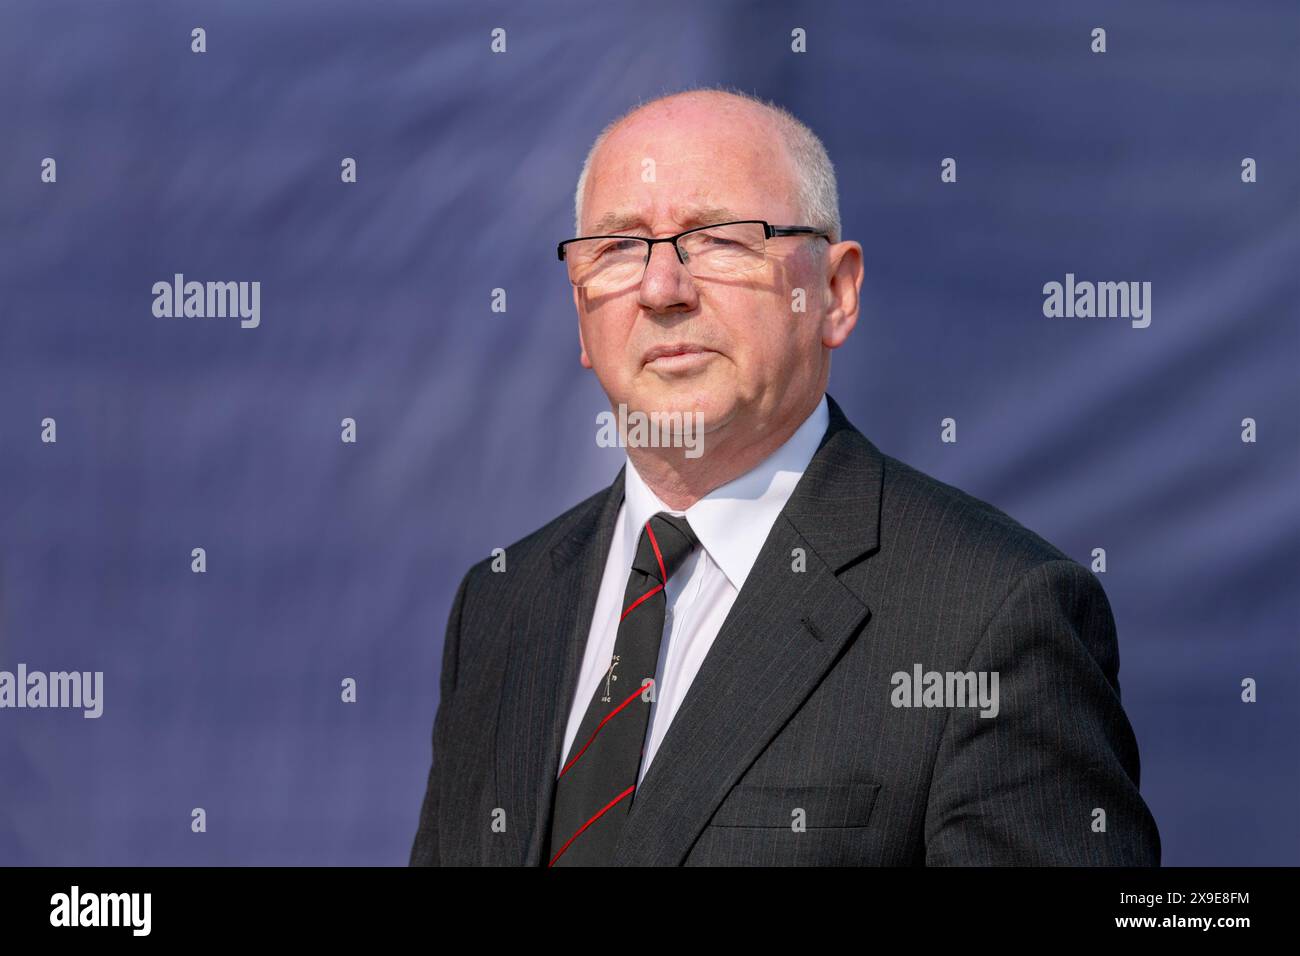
(582, 354)
(582, 345)
(844, 284)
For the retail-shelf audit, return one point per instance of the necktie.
(594, 790)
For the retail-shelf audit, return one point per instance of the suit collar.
(836, 506)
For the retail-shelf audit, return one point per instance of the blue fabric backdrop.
(328, 560)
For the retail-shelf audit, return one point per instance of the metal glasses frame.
(769, 232)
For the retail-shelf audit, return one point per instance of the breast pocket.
(811, 806)
(780, 825)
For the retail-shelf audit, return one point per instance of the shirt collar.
(733, 520)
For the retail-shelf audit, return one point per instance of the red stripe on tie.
(634, 696)
(653, 591)
(663, 575)
(590, 822)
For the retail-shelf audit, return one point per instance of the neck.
(679, 481)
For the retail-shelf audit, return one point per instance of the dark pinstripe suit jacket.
(788, 748)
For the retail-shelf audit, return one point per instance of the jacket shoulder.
(919, 506)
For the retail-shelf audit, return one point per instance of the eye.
(616, 246)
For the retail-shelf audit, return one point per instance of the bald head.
(727, 123)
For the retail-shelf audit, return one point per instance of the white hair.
(816, 193)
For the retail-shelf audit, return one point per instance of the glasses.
(603, 264)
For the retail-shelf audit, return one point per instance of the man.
(789, 648)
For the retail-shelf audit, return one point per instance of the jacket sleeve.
(424, 850)
(1035, 784)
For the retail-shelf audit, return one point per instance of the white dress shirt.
(732, 523)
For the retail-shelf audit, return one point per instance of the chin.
(686, 398)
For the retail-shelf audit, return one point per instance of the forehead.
(687, 166)
(684, 214)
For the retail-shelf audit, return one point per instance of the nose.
(666, 285)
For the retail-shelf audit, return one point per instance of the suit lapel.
(783, 633)
(542, 672)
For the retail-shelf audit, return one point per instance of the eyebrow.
(699, 216)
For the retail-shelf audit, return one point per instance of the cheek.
(608, 348)
(595, 335)
(772, 339)
(777, 346)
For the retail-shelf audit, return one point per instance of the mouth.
(676, 356)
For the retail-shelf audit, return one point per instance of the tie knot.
(666, 541)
